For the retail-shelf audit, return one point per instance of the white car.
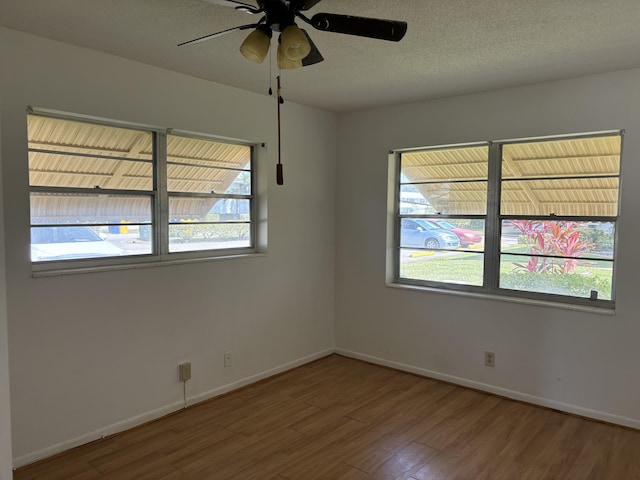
(62, 243)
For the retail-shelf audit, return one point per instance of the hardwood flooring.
(342, 419)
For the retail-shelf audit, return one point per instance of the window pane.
(209, 180)
(195, 223)
(448, 181)
(537, 177)
(570, 277)
(205, 236)
(414, 202)
(593, 240)
(123, 226)
(65, 208)
(206, 166)
(447, 198)
(574, 197)
(594, 156)
(449, 267)
(424, 234)
(71, 154)
(66, 243)
(465, 163)
(193, 209)
(470, 232)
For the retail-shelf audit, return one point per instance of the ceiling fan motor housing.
(279, 13)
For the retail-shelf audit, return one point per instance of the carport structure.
(82, 172)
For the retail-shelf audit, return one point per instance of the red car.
(466, 237)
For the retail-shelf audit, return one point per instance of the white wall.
(95, 352)
(5, 411)
(576, 361)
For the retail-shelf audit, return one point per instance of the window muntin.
(116, 182)
(553, 207)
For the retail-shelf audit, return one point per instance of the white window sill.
(505, 298)
(48, 271)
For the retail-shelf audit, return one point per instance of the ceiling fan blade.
(364, 27)
(314, 55)
(307, 4)
(219, 34)
(243, 7)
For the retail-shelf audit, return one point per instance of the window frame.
(493, 224)
(159, 196)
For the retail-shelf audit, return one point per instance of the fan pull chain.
(270, 71)
(279, 174)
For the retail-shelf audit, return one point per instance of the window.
(103, 189)
(525, 218)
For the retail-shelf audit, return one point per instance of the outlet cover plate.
(490, 359)
(185, 371)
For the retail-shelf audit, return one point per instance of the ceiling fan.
(295, 47)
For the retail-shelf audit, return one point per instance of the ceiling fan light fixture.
(294, 43)
(285, 63)
(256, 46)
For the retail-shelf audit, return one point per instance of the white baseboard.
(256, 378)
(96, 435)
(160, 412)
(515, 395)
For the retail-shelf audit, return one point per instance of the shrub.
(550, 238)
(572, 284)
(194, 232)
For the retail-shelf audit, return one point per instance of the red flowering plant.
(550, 238)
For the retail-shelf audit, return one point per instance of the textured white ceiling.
(451, 47)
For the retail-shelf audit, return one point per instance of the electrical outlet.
(490, 359)
(185, 371)
(228, 361)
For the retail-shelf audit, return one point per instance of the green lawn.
(467, 269)
(464, 268)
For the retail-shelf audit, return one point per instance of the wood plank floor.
(342, 419)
